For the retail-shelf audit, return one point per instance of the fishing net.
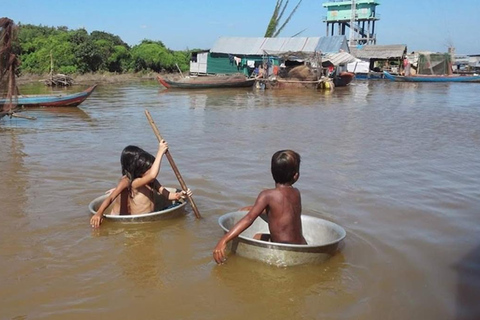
(8, 65)
(434, 63)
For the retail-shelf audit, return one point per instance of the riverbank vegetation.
(42, 49)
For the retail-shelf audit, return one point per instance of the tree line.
(77, 51)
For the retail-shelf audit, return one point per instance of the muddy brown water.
(397, 165)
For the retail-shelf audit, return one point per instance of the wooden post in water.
(172, 164)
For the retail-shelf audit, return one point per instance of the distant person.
(406, 66)
(138, 184)
(282, 205)
(260, 72)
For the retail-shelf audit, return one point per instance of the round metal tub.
(172, 209)
(323, 238)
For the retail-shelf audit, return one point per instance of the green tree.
(89, 57)
(78, 51)
(119, 59)
(153, 55)
(56, 47)
(115, 40)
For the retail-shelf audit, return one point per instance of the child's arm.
(171, 195)
(260, 205)
(97, 218)
(152, 173)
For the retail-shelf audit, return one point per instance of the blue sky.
(429, 25)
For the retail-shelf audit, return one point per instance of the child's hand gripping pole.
(172, 164)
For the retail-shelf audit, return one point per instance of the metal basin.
(172, 209)
(323, 238)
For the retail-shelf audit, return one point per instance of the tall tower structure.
(358, 15)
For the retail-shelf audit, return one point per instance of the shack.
(378, 58)
(231, 55)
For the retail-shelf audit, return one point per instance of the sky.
(422, 25)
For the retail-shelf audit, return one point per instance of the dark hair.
(128, 160)
(144, 163)
(285, 164)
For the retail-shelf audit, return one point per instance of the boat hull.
(323, 238)
(174, 210)
(70, 100)
(343, 79)
(207, 82)
(432, 78)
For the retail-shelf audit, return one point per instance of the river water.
(396, 164)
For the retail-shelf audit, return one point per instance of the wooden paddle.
(172, 164)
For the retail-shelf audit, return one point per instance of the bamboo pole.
(172, 164)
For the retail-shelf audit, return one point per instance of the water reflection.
(13, 189)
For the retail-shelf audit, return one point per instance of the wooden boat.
(432, 78)
(206, 82)
(323, 238)
(164, 209)
(343, 79)
(69, 100)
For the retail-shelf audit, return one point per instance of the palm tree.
(273, 29)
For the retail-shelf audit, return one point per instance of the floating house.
(231, 55)
(374, 59)
(466, 63)
(474, 62)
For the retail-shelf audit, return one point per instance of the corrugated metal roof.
(291, 44)
(339, 58)
(332, 44)
(258, 46)
(238, 45)
(379, 52)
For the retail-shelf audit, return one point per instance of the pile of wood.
(61, 80)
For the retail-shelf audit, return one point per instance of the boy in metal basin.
(282, 205)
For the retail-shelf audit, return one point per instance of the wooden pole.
(172, 164)
(180, 70)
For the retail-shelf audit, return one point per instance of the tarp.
(339, 58)
(359, 67)
(379, 52)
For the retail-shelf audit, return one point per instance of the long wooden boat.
(323, 238)
(206, 82)
(432, 78)
(164, 209)
(60, 100)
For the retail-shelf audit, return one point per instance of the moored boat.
(343, 79)
(164, 209)
(432, 78)
(52, 100)
(207, 82)
(323, 238)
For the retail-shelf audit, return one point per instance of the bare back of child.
(133, 194)
(135, 201)
(282, 207)
(137, 189)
